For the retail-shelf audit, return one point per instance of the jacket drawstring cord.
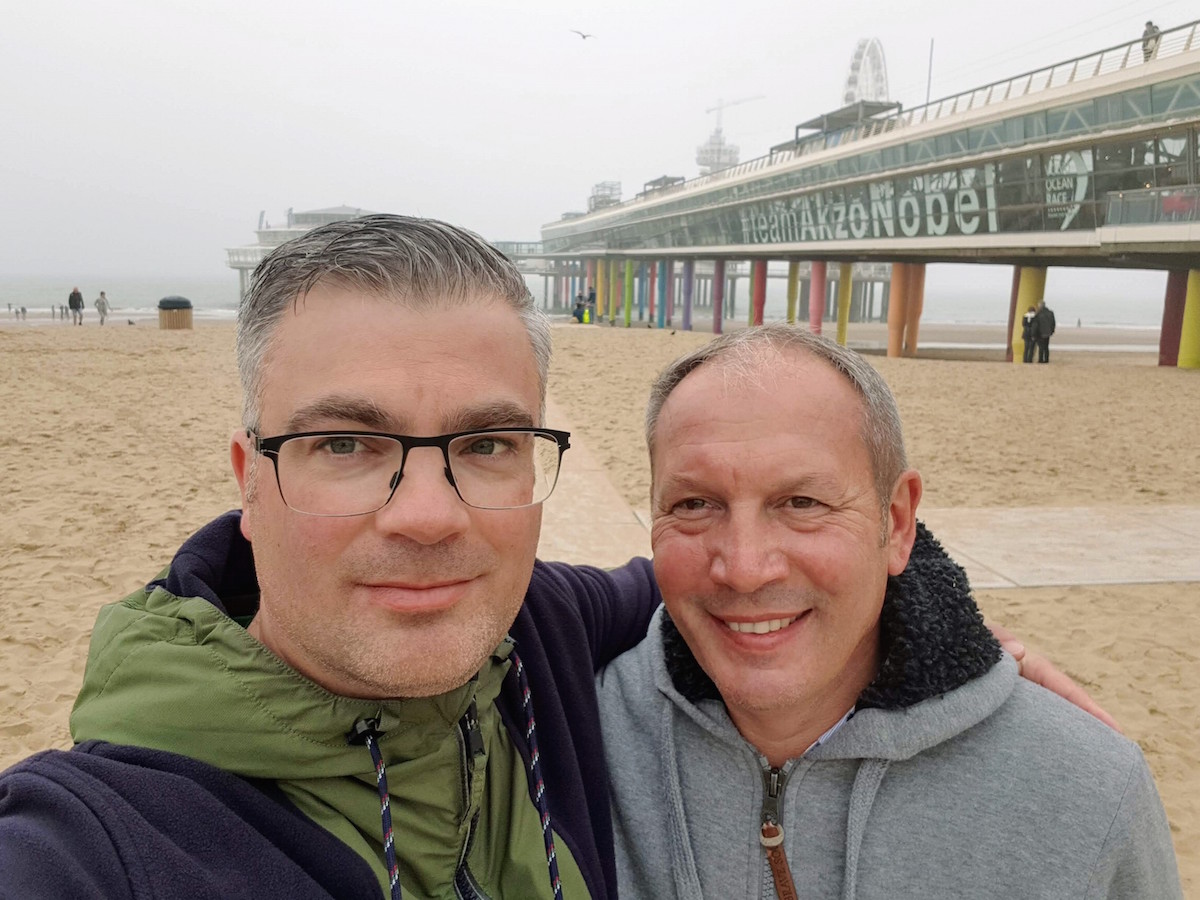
(535, 777)
(366, 731)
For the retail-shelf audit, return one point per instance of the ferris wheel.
(867, 79)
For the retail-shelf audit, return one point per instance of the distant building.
(245, 259)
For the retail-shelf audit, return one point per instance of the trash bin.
(174, 313)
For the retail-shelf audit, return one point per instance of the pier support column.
(817, 292)
(1030, 292)
(614, 290)
(793, 290)
(601, 288)
(670, 304)
(915, 302)
(664, 279)
(689, 287)
(845, 292)
(628, 292)
(897, 311)
(1012, 312)
(718, 295)
(1189, 332)
(760, 292)
(1172, 319)
(641, 289)
(652, 292)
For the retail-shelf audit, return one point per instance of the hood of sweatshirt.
(941, 673)
(169, 668)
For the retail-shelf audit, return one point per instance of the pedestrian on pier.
(1150, 38)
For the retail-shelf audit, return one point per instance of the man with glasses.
(363, 681)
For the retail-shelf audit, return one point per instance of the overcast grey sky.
(143, 138)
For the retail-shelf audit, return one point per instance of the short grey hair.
(422, 263)
(880, 426)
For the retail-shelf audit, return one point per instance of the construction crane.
(722, 105)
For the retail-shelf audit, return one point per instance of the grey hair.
(880, 426)
(422, 263)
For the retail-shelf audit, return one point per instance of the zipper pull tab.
(471, 730)
(771, 835)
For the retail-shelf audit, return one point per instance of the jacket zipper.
(771, 833)
(470, 746)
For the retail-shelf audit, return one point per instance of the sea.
(954, 294)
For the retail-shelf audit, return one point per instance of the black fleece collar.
(933, 636)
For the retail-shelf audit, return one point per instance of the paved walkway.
(588, 521)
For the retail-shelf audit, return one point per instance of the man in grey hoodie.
(819, 710)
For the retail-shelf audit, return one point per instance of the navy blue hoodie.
(104, 820)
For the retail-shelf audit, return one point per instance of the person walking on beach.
(102, 306)
(1150, 39)
(376, 688)
(1044, 328)
(1029, 333)
(75, 303)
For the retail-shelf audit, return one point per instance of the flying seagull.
(581, 34)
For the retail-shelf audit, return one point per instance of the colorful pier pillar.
(817, 292)
(1030, 291)
(664, 277)
(897, 309)
(653, 267)
(670, 302)
(759, 298)
(793, 290)
(718, 294)
(628, 292)
(601, 288)
(689, 288)
(614, 290)
(642, 267)
(845, 288)
(1172, 319)
(590, 278)
(1189, 332)
(1012, 310)
(915, 303)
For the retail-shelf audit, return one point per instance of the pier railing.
(1155, 206)
(1171, 42)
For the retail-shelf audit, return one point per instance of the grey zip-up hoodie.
(954, 778)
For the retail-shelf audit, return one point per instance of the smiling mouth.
(767, 626)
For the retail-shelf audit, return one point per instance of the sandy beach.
(114, 449)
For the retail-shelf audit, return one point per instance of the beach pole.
(718, 294)
(689, 287)
(793, 290)
(817, 294)
(759, 300)
(1030, 293)
(915, 296)
(1189, 332)
(845, 290)
(628, 292)
(897, 308)
(1172, 319)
